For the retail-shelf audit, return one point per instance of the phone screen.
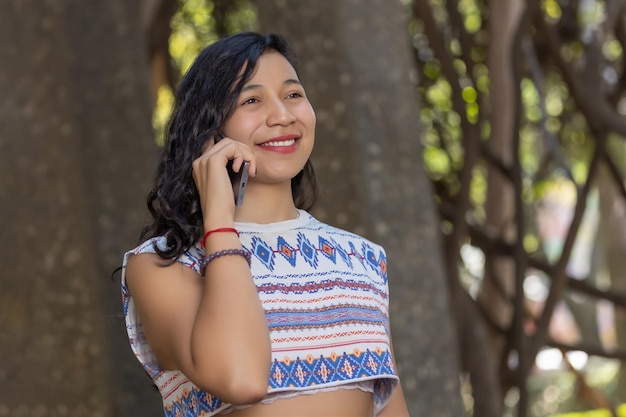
(240, 180)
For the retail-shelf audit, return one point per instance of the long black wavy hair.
(204, 100)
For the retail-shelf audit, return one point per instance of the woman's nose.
(280, 113)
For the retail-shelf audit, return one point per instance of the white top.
(325, 296)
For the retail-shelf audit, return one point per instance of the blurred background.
(482, 142)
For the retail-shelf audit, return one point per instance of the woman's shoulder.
(149, 246)
(191, 257)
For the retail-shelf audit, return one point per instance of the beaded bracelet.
(221, 229)
(226, 252)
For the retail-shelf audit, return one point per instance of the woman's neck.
(267, 203)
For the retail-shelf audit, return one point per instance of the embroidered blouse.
(325, 296)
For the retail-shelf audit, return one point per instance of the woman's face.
(274, 117)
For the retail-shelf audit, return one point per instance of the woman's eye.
(294, 95)
(250, 100)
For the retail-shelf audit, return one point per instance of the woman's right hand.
(213, 183)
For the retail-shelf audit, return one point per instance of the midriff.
(342, 402)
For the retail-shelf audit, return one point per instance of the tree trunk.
(76, 154)
(356, 67)
(499, 282)
(583, 264)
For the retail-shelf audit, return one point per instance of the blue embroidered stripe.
(284, 319)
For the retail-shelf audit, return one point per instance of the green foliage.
(472, 19)
(193, 28)
(478, 191)
(550, 122)
(621, 412)
(556, 142)
(552, 9)
(161, 112)
(617, 149)
(612, 50)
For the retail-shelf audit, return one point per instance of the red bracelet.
(221, 229)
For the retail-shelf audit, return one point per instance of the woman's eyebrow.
(257, 86)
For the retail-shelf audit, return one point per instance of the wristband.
(226, 252)
(221, 229)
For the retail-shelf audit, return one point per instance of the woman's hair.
(205, 99)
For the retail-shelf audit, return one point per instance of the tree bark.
(356, 67)
(499, 285)
(76, 154)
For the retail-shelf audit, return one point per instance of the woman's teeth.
(280, 143)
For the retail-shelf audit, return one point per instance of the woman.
(259, 309)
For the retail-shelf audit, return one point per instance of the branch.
(525, 356)
(617, 176)
(489, 242)
(476, 356)
(456, 21)
(471, 138)
(496, 162)
(620, 36)
(538, 80)
(616, 297)
(592, 395)
(589, 350)
(594, 107)
(559, 281)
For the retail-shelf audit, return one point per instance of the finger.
(251, 159)
(238, 152)
(230, 150)
(238, 163)
(252, 169)
(225, 145)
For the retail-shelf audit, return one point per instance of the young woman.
(258, 309)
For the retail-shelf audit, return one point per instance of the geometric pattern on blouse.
(193, 402)
(325, 297)
(295, 374)
(303, 248)
(309, 371)
(343, 314)
(311, 287)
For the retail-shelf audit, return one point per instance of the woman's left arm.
(396, 407)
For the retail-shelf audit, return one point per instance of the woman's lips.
(288, 142)
(281, 144)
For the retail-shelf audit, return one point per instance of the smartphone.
(240, 180)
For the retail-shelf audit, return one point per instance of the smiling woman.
(259, 309)
(274, 118)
